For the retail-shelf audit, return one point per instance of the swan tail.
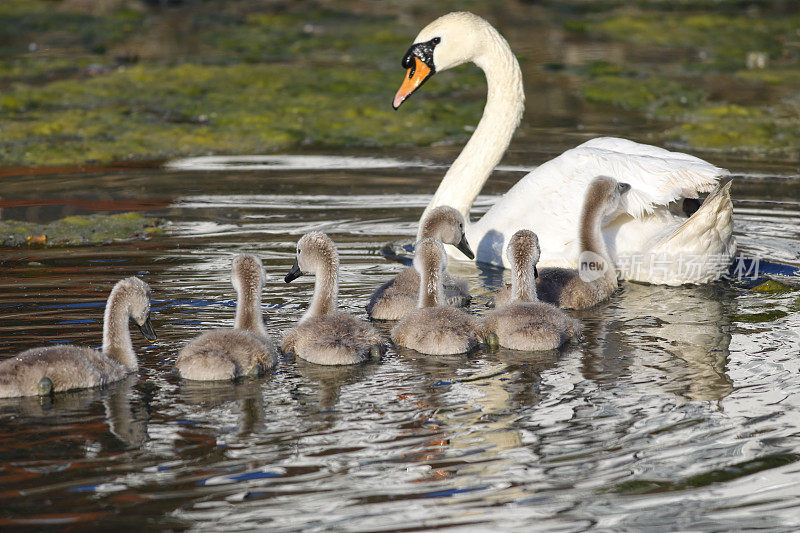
(657, 176)
(687, 181)
(698, 251)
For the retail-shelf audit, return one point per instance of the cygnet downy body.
(596, 279)
(435, 328)
(245, 350)
(49, 369)
(525, 323)
(398, 297)
(324, 335)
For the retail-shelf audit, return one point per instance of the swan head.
(604, 195)
(247, 273)
(447, 42)
(523, 251)
(429, 256)
(137, 294)
(315, 252)
(447, 225)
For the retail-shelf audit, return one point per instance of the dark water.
(680, 410)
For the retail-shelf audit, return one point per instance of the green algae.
(21, 19)
(704, 124)
(771, 76)
(724, 40)
(258, 79)
(325, 36)
(653, 95)
(80, 230)
(740, 128)
(761, 317)
(163, 111)
(242, 98)
(773, 287)
(704, 479)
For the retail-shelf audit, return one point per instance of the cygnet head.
(429, 256)
(447, 225)
(315, 252)
(604, 196)
(247, 274)
(447, 42)
(137, 295)
(523, 250)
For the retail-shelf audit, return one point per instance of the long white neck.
(248, 310)
(505, 102)
(116, 334)
(326, 292)
(523, 286)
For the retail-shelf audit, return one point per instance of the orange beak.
(415, 77)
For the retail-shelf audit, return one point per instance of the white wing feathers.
(549, 199)
(657, 176)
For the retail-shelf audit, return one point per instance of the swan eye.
(436, 40)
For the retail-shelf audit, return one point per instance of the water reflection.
(676, 339)
(224, 402)
(326, 383)
(670, 383)
(124, 420)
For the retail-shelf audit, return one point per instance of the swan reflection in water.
(271, 405)
(676, 338)
(673, 338)
(324, 383)
(667, 339)
(125, 421)
(222, 402)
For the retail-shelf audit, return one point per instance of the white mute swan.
(651, 240)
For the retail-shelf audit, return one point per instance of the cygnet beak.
(624, 187)
(147, 329)
(294, 273)
(463, 246)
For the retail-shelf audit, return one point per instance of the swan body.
(224, 354)
(650, 240)
(324, 335)
(525, 323)
(398, 297)
(595, 280)
(49, 369)
(435, 328)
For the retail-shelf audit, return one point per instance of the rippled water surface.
(679, 411)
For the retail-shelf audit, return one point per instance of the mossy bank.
(80, 230)
(726, 52)
(140, 81)
(255, 83)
